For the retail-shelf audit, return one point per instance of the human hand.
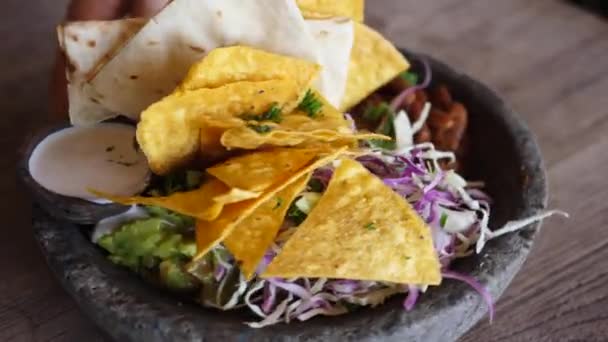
(94, 10)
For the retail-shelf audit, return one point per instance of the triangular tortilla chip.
(332, 8)
(242, 63)
(374, 62)
(329, 125)
(168, 132)
(155, 60)
(362, 230)
(259, 170)
(210, 233)
(204, 203)
(87, 44)
(251, 238)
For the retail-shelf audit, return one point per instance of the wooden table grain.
(547, 58)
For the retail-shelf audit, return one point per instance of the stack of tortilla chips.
(267, 80)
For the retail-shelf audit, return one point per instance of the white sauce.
(100, 157)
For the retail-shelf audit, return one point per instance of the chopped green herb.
(273, 114)
(315, 185)
(410, 77)
(386, 128)
(296, 215)
(377, 112)
(370, 226)
(279, 203)
(262, 129)
(443, 220)
(310, 104)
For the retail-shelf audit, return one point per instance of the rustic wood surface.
(549, 59)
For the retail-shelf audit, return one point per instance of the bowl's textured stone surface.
(504, 155)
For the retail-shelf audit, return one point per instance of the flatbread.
(362, 230)
(334, 40)
(87, 44)
(157, 58)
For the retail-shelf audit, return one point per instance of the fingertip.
(96, 10)
(147, 8)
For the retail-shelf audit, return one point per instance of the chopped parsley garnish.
(262, 129)
(386, 128)
(296, 215)
(443, 220)
(310, 104)
(279, 203)
(409, 77)
(377, 112)
(370, 226)
(273, 114)
(176, 182)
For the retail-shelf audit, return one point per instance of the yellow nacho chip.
(374, 62)
(362, 230)
(251, 238)
(168, 132)
(241, 63)
(258, 171)
(211, 232)
(328, 125)
(319, 9)
(247, 138)
(204, 203)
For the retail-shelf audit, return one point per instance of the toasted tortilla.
(333, 8)
(87, 44)
(211, 232)
(259, 170)
(204, 203)
(156, 59)
(251, 238)
(362, 230)
(374, 62)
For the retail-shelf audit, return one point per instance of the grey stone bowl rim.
(128, 309)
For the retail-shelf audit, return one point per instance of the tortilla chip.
(205, 203)
(315, 9)
(247, 138)
(258, 171)
(362, 230)
(329, 125)
(374, 62)
(169, 130)
(211, 232)
(251, 238)
(241, 63)
(157, 58)
(211, 148)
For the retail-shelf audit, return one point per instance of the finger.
(97, 10)
(147, 8)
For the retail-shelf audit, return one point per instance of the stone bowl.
(504, 155)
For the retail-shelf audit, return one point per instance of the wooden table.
(550, 60)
